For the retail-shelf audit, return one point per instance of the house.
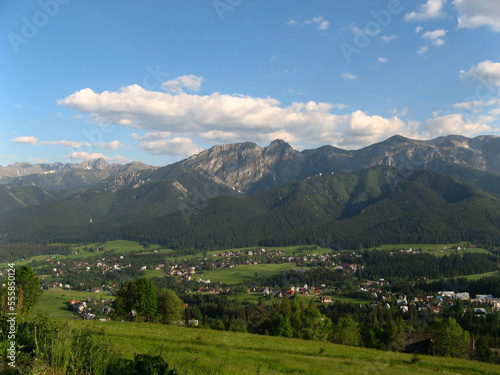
(325, 299)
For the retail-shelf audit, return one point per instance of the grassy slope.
(212, 352)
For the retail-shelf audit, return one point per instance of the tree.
(483, 351)
(28, 290)
(170, 306)
(450, 338)
(137, 300)
(346, 332)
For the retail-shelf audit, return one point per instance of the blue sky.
(157, 81)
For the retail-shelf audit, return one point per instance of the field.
(54, 302)
(200, 351)
(436, 249)
(244, 271)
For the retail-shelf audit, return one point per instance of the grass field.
(436, 249)
(244, 272)
(200, 351)
(54, 302)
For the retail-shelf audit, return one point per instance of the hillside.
(213, 352)
(366, 208)
(107, 209)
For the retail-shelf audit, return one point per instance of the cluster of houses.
(104, 265)
(87, 309)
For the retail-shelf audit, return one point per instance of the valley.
(386, 250)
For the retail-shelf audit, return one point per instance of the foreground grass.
(200, 351)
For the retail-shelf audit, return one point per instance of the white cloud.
(291, 22)
(418, 29)
(388, 38)
(431, 9)
(189, 82)
(435, 37)
(476, 13)
(340, 106)
(81, 155)
(349, 77)
(172, 121)
(362, 129)
(64, 143)
(109, 146)
(274, 58)
(28, 140)
(455, 124)
(322, 23)
(74, 144)
(486, 72)
(177, 146)
(383, 60)
(422, 50)
(475, 104)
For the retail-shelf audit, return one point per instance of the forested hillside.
(366, 208)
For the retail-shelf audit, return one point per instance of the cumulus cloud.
(455, 124)
(109, 146)
(486, 72)
(361, 129)
(172, 122)
(189, 82)
(28, 140)
(383, 60)
(435, 37)
(474, 13)
(81, 155)
(177, 146)
(430, 10)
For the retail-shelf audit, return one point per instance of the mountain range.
(67, 201)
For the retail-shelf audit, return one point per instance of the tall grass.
(47, 346)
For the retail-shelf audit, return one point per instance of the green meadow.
(436, 249)
(200, 351)
(54, 302)
(243, 272)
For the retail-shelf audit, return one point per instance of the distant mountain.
(58, 176)
(103, 195)
(250, 169)
(365, 208)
